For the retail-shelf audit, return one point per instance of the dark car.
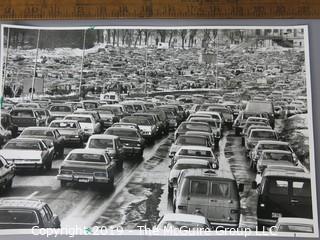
(131, 140)
(7, 123)
(25, 117)
(19, 213)
(154, 120)
(7, 173)
(147, 128)
(283, 193)
(51, 136)
(87, 166)
(262, 107)
(163, 118)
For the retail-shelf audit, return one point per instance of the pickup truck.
(26, 117)
(7, 173)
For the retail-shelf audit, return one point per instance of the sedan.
(49, 135)
(147, 129)
(192, 126)
(7, 173)
(28, 153)
(87, 166)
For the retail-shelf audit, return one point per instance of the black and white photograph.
(157, 130)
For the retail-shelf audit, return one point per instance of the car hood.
(10, 154)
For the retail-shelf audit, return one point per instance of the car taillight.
(262, 205)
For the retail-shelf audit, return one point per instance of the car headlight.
(138, 144)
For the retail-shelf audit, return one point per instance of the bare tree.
(172, 33)
(192, 35)
(138, 37)
(163, 34)
(183, 34)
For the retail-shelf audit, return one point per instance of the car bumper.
(30, 165)
(132, 150)
(82, 179)
(267, 222)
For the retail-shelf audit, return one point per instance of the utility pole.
(35, 66)
(82, 60)
(145, 71)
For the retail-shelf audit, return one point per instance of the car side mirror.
(254, 185)
(241, 187)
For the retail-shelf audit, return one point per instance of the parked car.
(7, 173)
(185, 222)
(283, 193)
(108, 118)
(147, 128)
(154, 120)
(192, 126)
(21, 213)
(88, 166)
(59, 111)
(111, 144)
(294, 225)
(25, 117)
(7, 124)
(214, 124)
(262, 107)
(268, 145)
(132, 141)
(183, 164)
(87, 123)
(226, 112)
(211, 193)
(28, 153)
(257, 135)
(241, 120)
(189, 140)
(273, 157)
(70, 130)
(50, 136)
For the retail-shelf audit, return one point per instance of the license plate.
(84, 180)
(276, 215)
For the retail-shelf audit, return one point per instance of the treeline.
(27, 38)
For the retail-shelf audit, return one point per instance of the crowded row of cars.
(104, 135)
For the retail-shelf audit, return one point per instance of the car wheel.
(63, 183)
(9, 184)
(48, 165)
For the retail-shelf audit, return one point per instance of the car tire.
(63, 183)
(9, 185)
(48, 165)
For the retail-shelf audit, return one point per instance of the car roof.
(103, 136)
(286, 173)
(88, 151)
(184, 217)
(296, 220)
(79, 115)
(209, 173)
(122, 128)
(192, 161)
(21, 203)
(275, 151)
(191, 147)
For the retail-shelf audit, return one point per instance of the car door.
(198, 196)
(220, 202)
(300, 202)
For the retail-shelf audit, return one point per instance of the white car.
(181, 221)
(28, 153)
(302, 225)
(86, 121)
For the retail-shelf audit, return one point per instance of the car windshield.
(105, 112)
(122, 133)
(86, 157)
(22, 113)
(61, 109)
(136, 120)
(112, 109)
(188, 140)
(18, 217)
(101, 143)
(263, 134)
(63, 125)
(221, 110)
(277, 156)
(90, 105)
(296, 228)
(196, 153)
(79, 119)
(42, 113)
(195, 127)
(283, 147)
(181, 166)
(209, 121)
(23, 145)
(37, 132)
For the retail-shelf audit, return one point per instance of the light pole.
(35, 66)
(82, 60)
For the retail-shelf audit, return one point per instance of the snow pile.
(296, 132)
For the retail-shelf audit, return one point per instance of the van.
(212, 193)
(283, 193)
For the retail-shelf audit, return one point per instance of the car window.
(263, 134)
(196, 153)
(137, 107)
(188, 140)
(22, 113)
(221, 190)
(18, 217)
(278, 187)
(44, 215)
(63, 125)
(101, 143)
(199, 187)
(301, 188)
(86, 157)
(122, 133)
(23, 145)
(57, 133)
(1, 164)
(49, 212)
(60, 109)
(79, 119)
